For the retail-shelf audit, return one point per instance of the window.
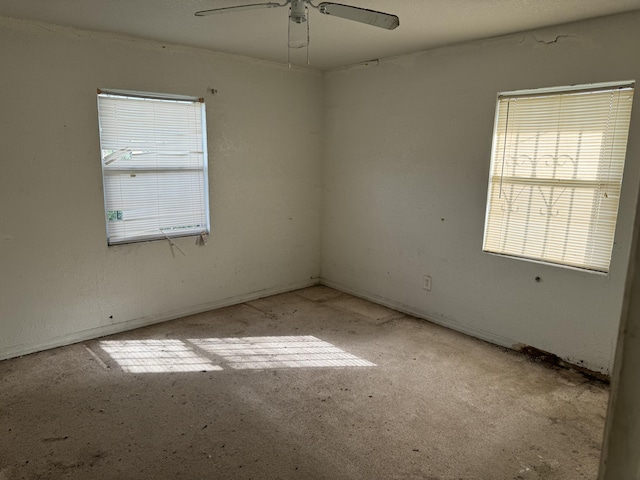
(154, 166)
(556, 172)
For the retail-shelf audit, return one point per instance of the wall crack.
(553, 40)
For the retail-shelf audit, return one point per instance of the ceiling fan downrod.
(298, 35)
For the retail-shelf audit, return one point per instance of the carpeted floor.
(312, 384)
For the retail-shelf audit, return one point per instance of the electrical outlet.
(427, 283)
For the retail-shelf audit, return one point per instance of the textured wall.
(59, 282)
(407, 150)
(406, 159)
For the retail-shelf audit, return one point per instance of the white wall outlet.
(426, 284)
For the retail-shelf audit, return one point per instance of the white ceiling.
(335, 42)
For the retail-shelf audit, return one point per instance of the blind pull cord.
(171, 242)
(613, 136)
(504, 148)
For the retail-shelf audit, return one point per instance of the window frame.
(203, 170)
(497, 157)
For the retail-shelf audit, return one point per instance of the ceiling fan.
(299, 16)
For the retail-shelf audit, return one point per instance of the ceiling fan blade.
(362, 15)
(239, 8)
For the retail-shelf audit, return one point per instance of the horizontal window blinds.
(556, 173)
(154, 167)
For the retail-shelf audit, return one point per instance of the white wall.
(408, 142)
(59, 282)
(406, 156)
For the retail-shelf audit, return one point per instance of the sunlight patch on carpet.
(156, 356)
(279, 352)
(214, 354)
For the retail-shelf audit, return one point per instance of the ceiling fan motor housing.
(298, 11)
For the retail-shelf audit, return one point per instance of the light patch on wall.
(156, 356)
(279, 352)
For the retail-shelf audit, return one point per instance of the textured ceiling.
(335, 42)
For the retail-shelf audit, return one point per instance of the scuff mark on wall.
(5, 236)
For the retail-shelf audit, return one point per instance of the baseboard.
(425, 315)
(89, 334)
(511, 344)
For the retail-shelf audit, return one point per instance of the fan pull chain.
(306, 11)
(297, 44)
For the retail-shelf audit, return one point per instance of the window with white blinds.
(154, 166)
(556, 172)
